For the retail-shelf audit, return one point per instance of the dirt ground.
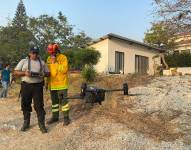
(151, 119)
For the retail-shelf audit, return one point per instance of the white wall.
(182, 47)
(102, 47)
(129, 55)
(183, 70)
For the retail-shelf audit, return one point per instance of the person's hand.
(53, 59)
(27, 73)
(47, 74)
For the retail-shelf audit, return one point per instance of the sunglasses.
(35, 53)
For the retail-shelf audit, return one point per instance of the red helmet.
(53, 49)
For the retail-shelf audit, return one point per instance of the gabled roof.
(130, 41)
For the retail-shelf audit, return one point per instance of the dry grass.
(157, 127)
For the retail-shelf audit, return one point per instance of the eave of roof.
(130, 41)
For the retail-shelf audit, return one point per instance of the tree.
(14, 44)
(20, 19)
(87, 56)
(80, 40)
(178, 60)
(78, 58)
(47, 29)
(159, 35)
(176, 13)
(15, 37)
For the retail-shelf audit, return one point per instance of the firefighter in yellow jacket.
(58, 83)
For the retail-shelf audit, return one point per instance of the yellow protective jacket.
(58, 79)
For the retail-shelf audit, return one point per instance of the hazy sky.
(130, 18)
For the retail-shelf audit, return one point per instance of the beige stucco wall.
(182, 47)
(107, 49)
(183, 70)
(184, 37)
(129, 55)
(102, 47)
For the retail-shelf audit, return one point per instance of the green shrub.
(178, 60)
(87, 56)
(89, 73)
(70, 54)
(78, 58)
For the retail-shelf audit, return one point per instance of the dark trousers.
(59, 102)
(32, 91)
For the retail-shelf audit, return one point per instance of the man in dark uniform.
(32, 71)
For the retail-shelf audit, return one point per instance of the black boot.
(66, 120)
(42, 127)
(26, 123)
(25, 126)
(41, 123)
(54, 118)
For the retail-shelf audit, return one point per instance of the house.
(123, 55)
(183, 43)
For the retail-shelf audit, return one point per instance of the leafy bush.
(178, 60)
(87, 56)
(89, 73)
(70, 54)
(80, 57)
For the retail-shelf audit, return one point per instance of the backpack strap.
(40, 62)
(29, 64)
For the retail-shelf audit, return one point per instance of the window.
(141, 64)
(119, 62)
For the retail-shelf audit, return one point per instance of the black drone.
(93, 95)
